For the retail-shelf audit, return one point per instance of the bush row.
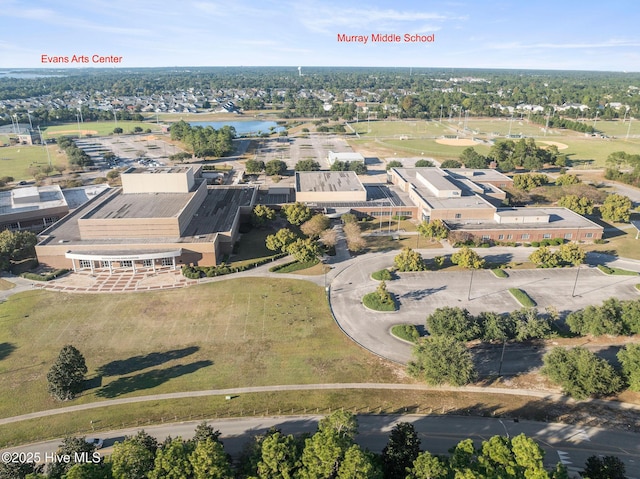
(45, 277)
(197, 272)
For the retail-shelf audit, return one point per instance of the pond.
(242, 127)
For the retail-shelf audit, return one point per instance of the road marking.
(564, 458)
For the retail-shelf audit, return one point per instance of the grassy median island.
(380, 299)
(240, 332)
(522, 297)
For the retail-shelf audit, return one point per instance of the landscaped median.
(522, 297)
(380, 299)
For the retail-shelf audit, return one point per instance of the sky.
(519, 34)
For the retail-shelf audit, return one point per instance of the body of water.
(242, 127)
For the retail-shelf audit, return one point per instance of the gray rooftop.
(328, 181)
(559, 218)
(141, 205)
(31, 199)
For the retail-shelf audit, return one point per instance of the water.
(242, 127)
(26, 75)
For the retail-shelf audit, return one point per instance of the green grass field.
(416, 138)
(232, 333)
(96, 128)
(15, 161)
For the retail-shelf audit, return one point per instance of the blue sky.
(560, 34)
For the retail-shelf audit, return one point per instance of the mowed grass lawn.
(101, 128)
(244, 332)
(16, 160)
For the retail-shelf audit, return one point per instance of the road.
(571, 445)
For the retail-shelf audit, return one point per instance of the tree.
(580, 372)
(433, 229)
(581, 205)
(442, 359)
(567, 180)
(450, 164)
(393, 164)
(470, 158)
(358, 464)
(428, 466)
(296, 213)
(355, 241)
(403, 447)
(89, 470)
(205, 431)
(329, 238)
(117, 130)
(66, 376)
(572, 253)
(261, 214)
(209, 460)
(75, 448)
(134, 457)
(304, 250)
(607, 467)
(424, 164)
(280, 456)
(137, 129)
(15, 246)
(172, 461)
(467, 258)
(616, 208)
(275, 167)
(307, 165)
(454, 322)
(254, 166)
(281, 240)
(316, 225)
(409, 260)
(629, 358)
(528, 181)
(543, 257)
(324, 452)
(529, 324)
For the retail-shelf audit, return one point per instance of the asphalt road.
(571, 445)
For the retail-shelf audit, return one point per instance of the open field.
(618, 128)
(101, 128)
(16, 160)
(428, 148)
(232, 333)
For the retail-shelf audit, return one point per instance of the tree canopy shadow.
(498, 259)
(518, 358)
(138, 363)
(422, 293)
(149, 379)
(6, 349)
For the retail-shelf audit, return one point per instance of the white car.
(97, 442)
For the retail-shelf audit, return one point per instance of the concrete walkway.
(315, 387)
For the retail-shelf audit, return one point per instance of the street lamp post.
(470, 282)
(575, 283)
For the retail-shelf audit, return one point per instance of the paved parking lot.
(419, 294)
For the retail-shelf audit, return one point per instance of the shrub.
(500, 273)
(45, 277)
(408, 332)
(382, 275)
(380, 299)
(522, 297)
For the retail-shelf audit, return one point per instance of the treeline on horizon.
(417, 92)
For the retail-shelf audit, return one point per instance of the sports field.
(234, 333)
(16, 161)
(101, 128)
(422, 137)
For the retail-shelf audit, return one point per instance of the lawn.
(624, 244)
(101, 128)
(16, 160)
(233, 333)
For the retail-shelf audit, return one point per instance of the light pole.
(470, 282)
(504, 345)
(575, 283)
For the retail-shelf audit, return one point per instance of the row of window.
(148, 263)
(526, 236)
